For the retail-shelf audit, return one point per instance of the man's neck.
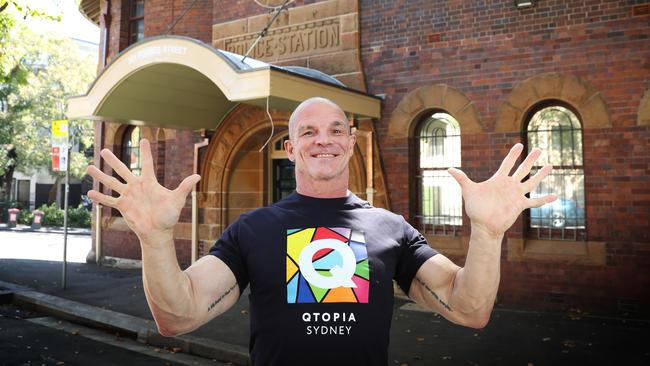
(323, 193)
(335, 188)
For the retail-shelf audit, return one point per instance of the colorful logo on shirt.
(327, 265)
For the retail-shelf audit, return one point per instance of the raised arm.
(180, 301)
(466, 295)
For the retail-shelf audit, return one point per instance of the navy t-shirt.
(321, 273)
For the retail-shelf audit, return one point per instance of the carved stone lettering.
(289, 42)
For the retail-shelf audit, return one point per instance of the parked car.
(562, 213)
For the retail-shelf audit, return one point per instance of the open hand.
(148, 208)
(495, 204)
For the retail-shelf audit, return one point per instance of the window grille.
(439, 195)
(557, 131)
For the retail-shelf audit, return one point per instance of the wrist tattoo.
(435, 296)
(215, 302)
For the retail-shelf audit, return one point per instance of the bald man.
(320, 263)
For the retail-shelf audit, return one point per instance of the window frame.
(548, 233)
(132, 19)
(438, 230)
(275, 153)
(126, 155)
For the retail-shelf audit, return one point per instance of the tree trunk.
(53, 191)
(8, 178)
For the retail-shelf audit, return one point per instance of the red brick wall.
(484, 51)
(196, 23)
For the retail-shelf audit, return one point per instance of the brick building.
(427, 85)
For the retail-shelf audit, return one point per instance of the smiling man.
(320, 263)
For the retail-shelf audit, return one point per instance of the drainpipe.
(98, 233)
(99, 128)
(195, 206)
(106, 15)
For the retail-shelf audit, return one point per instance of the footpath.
(113, 299)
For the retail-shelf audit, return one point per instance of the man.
(321, 262)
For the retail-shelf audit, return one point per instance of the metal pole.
(65, 219)
(98, 234)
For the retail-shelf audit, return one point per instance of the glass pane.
(137, 8)
(284, 182)
(441, 199)
(440, 142)
(440, 195)
(137, 31)
(556, 130)
(132, 151)
(568, 211)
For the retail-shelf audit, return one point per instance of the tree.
(37, 74)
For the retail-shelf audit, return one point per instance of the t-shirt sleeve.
(414, 252)
(228, 249)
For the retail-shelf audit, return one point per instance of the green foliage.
(37, 74)
(25, 217)
(53, 215)
(77, 217)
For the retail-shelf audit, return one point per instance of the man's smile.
(324, 155)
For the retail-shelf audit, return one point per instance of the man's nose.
(323, 138)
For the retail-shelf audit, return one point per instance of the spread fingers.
(105, 179)
(103, 199)
(117, 165)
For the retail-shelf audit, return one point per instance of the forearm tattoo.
(435, 296)
(215, 302)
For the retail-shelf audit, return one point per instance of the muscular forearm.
(167, 288)
(476, 284)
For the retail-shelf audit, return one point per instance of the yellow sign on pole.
(60, 129)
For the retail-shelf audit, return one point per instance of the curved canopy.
(179, 82)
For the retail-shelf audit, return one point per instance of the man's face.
(321, 144)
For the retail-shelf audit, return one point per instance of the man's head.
(320, 142)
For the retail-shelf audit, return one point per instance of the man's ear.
(354, 140)
(288, 147)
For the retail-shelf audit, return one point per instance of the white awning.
(179, 82)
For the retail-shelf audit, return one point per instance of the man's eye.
(307, 133)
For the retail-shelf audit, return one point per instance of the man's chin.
(325, 177)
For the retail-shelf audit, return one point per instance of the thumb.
(460, 177)
(187, 184)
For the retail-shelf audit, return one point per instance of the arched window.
(131, 149)
(557, 131)
(439, 196)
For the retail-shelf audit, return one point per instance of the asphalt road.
(28, 338)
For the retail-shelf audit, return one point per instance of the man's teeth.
(324, 155)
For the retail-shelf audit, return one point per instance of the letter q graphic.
(341, 276)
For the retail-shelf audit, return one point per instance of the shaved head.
(305, 105)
